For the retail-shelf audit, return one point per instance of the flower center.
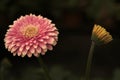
(30, 31)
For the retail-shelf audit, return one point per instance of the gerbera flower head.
(100, 35)
(31, 35)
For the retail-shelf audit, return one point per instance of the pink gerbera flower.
(31, 34)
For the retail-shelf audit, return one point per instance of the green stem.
(89, 61)
(44, 68)
(2, 73)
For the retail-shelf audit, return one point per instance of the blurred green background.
(74, 20)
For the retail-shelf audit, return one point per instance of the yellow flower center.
(29, 31)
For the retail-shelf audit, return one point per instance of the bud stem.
(89, 62)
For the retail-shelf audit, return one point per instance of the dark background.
(74, 20)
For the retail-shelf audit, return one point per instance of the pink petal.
(49, 47)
